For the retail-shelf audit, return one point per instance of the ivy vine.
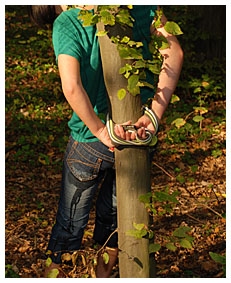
(128, 49)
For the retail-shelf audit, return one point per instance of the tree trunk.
(132, 168)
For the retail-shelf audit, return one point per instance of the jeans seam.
(99, 154)
(73, 147)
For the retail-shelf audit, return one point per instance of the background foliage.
(188, 174)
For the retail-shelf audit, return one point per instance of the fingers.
(119, 131)
(141, 133)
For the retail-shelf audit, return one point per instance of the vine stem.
(116, 230)
(161, 168)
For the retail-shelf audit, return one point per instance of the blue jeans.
(85, 167)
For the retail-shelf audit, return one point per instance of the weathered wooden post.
(132, 167)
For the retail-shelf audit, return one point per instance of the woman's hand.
(104, 137)
(142, 123)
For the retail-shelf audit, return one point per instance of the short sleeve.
(65, 39)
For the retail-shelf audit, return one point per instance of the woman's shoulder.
(66, 18)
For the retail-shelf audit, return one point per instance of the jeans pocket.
(83, 165)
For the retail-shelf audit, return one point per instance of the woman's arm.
(170, 70)
(69, 69)
(168, 78)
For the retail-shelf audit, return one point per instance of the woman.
(87, 160)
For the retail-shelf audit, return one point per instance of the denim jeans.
(86, 167)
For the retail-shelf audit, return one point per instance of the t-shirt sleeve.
(65, 41)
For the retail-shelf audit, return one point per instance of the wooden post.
(132, 168)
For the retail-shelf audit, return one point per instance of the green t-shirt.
(71, 38)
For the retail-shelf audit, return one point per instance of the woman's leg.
(84, 167)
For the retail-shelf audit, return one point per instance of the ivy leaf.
(125, 39)
(48, 262)
(121, 93)
(185, 244)
(53, 273)
(138, 227)
(181, 231)
(179, 122)
(139, 64)
(202, 110)
(171, 246)
(174, 98)
(136, 233)
(87, 18)
(198, 118)
(145, 84)
(153, 248)
(132, 85)
(101, 33)
(106, 258)
(107, 18)
(123, 17)
(218, 258)
(145, 198)
(154, 68)
(173, 28)
(124, 53)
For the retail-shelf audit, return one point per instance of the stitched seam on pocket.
(93, 164)
(99, 154)
(97, 167)
(73, 147)
(79, 161)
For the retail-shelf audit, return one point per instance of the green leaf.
(185, 244)
(122, 70)
(48, 262)
(138, 227)
(121, 93)
(154, 68)
(105, 257)
(216, 153)
(194, 168)
(101, 33)
(125, 39)
(145, 198)
(202, 110)
(198, 118)
(107, 18)
(53, 273)
(136, 233)
(218, 258)
(173, 28)
(174, 98)
(139, 64)
(164, 45)
(145, 84)
(181, 231)
(153, 248)
(170, 246)
(179, 122)
(132, 85)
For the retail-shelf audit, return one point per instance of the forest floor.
(191, 163)
(32, 195)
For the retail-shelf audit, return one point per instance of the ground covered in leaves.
(31, 202)
(190, 160)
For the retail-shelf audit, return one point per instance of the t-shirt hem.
(80, 139)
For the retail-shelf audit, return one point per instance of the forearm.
(170, 70)
(81, 105)
(168, 79)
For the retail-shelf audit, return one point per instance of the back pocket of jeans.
(83, 165)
